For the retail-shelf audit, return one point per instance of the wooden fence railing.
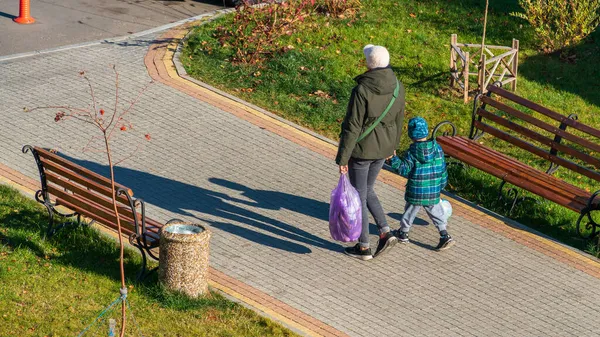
(502, 66)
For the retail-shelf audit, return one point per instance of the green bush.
(560, 24)
(254, 35)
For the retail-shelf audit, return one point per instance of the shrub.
(255, 31)
(339, 8)
(560, 24)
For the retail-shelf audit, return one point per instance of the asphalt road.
(64, 22)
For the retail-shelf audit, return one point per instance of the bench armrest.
(443, 124)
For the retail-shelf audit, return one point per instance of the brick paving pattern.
(266, 199)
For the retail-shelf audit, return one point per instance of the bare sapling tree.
(110, 124)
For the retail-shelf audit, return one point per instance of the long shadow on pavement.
(189, 200)
(8, 16)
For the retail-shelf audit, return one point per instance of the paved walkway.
(264, 187)
(63, 22)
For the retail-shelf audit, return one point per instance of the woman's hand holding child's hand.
(388, 160)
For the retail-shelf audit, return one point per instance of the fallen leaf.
(413, 15)
(321, 93)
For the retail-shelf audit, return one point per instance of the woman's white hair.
(377, 56)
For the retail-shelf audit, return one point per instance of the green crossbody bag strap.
(367, 131)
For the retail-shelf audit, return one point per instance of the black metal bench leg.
(51, 230)
(510, 191)
(590, 229)
(457, 163)
(39, 197)
(144, 272)
(514, 200)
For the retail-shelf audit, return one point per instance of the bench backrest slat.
(571, 200)
(79, 190)
(92, 215)
(542, 125)
(93, 211)
(545, 111)
(539, 137)
(536, 150)
(101, 180)
(517, 167)
(62, 172)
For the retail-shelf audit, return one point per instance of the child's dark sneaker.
(446, 242)
(402, 236)
(355, 251)
(388, 241)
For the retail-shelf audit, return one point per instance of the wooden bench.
(518, 126)
(88, 194)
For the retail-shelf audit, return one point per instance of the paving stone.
(266, 200)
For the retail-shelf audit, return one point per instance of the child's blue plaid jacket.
(425, 167)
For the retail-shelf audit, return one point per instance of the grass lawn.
(56, 287)
(310, 84)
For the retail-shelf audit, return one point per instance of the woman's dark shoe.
(385, 243)
(357, 252)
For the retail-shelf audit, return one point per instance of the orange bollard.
(24, 15)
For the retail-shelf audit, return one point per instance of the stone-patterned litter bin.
(183, 260)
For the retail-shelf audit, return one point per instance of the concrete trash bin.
(183, 259)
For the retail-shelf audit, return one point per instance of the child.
(425, 167)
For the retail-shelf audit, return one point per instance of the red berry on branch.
(123, 128)
(59, 116)
(101, 112)
(147, 136)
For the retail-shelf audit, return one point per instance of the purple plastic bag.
(345, 214)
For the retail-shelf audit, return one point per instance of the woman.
(370, 133)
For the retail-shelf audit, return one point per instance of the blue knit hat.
(418, 128)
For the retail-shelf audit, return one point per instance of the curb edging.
(506, 227)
